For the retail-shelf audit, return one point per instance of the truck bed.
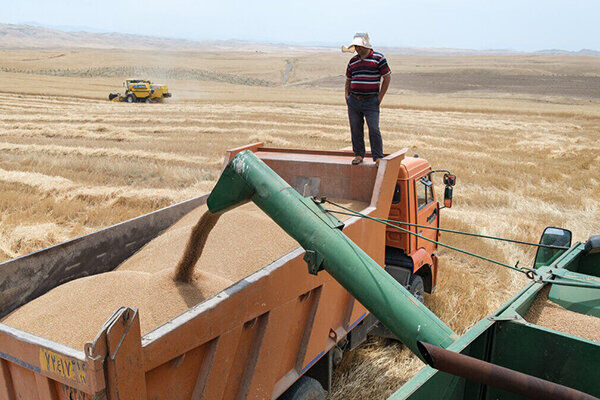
(251, 340)
(241, 243)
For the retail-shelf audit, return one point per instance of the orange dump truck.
(277, 333)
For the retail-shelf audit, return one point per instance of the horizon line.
(327, 45)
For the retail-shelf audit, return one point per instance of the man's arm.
(347, 89)
(384, 87)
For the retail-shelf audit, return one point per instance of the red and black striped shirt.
(365, 74)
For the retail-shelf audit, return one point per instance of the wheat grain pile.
(548, 314)
(74, 312)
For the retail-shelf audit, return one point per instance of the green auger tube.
(319, 233)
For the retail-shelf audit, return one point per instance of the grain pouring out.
(193, 250)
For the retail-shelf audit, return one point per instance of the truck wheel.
(130, 98)
(147, 100)
(305, 388)
(417, 288)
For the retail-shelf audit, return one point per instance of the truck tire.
(305, 388)
(147, 100)
(417, 288)
(131, 98)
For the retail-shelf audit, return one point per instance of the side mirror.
(555, 237)
(449, 181)
(448, 197)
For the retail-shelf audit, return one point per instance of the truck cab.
(410, 259)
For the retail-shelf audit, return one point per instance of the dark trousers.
(358, 112)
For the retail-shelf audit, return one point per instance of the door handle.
(432, 216)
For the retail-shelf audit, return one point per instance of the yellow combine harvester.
(141, 91)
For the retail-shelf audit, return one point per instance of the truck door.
(399, 212)
(427, 212)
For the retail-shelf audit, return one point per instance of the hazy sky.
(475, 24)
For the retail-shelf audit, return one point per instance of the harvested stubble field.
(526, 155)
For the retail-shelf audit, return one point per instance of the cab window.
(424, 191)
(397, 194)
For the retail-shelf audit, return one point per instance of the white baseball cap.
(360, 39)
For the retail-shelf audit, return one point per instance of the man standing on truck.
(363, 95)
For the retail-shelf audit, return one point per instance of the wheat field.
(71, 162)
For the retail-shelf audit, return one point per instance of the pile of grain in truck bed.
(243, 241)
(545, 313)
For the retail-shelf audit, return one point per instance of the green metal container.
(506, 339)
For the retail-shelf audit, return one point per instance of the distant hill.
(558, 52)
(34, 35)
(433, 51)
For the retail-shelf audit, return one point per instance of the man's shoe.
(377, 162)
(357, 160)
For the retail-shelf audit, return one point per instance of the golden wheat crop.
(71, 162)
